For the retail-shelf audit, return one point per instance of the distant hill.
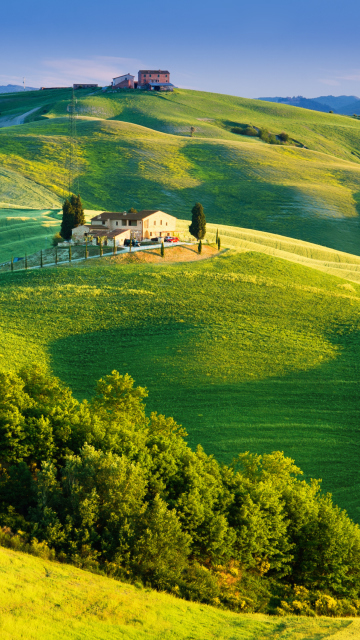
(300, 101)
(336, 102)
(352, 108)
(345, 105)
(13, 88)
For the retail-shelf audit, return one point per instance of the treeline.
(263, 134)
(101, 485)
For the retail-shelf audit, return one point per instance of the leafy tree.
(192, 131)
(109, 488)
(132, 210)
(161, 552)
(284, 137)
(197, 227)
(68, 220)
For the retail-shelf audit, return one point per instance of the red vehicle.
(171, 239)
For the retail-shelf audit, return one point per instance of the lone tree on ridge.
(198, 222)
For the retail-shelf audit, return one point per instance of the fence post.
(101, 247)
(12, 264)
(86, 250)
(114, 250)
(41, 259)
(26, 264)
(70, 253)
(56, 255)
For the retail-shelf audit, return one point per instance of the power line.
(72, 174)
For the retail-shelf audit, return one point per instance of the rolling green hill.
(135, 150)
(65, 602)
(247, 351)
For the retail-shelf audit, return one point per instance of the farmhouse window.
(123, 222)
(103, 221)
(154, 223)
(117, 224)
(160, 222)
(150, 233)
(166, 223)
(132, 223)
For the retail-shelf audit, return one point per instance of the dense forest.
(103, 486)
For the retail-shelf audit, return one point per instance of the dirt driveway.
(11, 122)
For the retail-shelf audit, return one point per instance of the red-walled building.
(149, 76)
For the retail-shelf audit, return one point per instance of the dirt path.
(11, 122)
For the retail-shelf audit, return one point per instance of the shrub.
(284, 137)
(57, 239)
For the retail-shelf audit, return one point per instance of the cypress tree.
(198, 223)
(79, 216)
(219, 243)
(162, 250)
(217, 236)
(200, 247)
(68, 220)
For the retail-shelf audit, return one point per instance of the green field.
(65, 602)
(135, 150)
(247, 351)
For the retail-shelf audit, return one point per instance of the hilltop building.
(123, 82)
(154, 80)
(144, 225)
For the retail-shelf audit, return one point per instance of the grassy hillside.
(62, 601)
(247, 351)
(26, 231)
(135, 150)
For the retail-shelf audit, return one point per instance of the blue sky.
(251, 49)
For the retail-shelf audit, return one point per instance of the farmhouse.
(154, 80)
(117, 227)
(123, 82)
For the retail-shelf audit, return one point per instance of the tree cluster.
(108, 488)
(263, 134)
(73, 216)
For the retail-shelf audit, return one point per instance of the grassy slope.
(26, 231)
(62, 601)
(247, 351)
(309, 194)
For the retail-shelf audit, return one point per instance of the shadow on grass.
(313, 416)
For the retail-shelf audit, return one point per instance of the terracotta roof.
(153, 71)
(113, 215)
(104, 231)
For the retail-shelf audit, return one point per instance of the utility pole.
(71, 155)
(24, 84)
